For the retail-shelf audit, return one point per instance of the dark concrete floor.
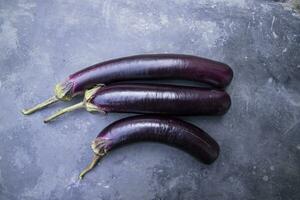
(41, 42)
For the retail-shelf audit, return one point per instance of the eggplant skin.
(171, 131)
(153, 66)
(161, 99)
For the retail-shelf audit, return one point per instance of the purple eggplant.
(152, 99)
(166, 130)
(141, 67)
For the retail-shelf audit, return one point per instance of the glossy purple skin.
(153, 66)
(161, 99)
(171, 131)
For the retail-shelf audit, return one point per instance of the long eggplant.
(152, 99)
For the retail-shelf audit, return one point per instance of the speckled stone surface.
(41, 42)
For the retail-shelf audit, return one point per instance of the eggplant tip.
(40, 106)
(94, 162)
(46, 121)
(80, 177)
(25, 112)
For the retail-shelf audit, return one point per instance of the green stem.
(94, 162)
(40, 106)
(65, 110)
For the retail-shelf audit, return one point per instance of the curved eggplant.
(170, 131)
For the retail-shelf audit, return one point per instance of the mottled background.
(41, 42)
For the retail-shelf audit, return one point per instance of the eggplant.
(171, 131)
(140, 67)
(152, 99)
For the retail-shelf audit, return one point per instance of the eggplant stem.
(40, 106)
(94, 162)
(65, 110)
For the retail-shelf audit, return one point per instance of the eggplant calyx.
(99, 146)
(88, 96)
(63, 91)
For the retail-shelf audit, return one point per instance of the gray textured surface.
(42, 42)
